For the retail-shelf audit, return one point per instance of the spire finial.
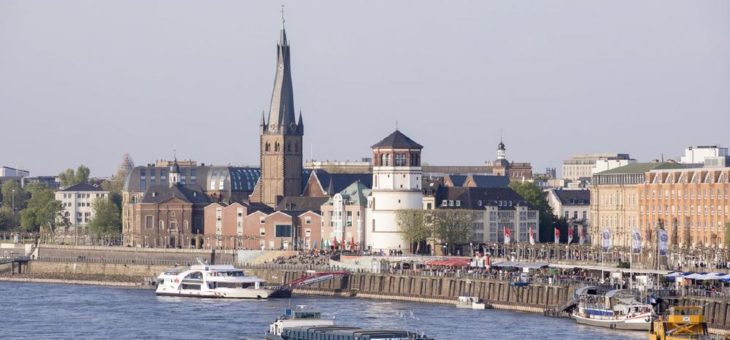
(282, 16)
(396, 125)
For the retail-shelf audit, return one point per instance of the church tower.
(280, 136)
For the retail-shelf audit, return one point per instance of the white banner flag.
(606, 238)
(663, 242)
(635, 241)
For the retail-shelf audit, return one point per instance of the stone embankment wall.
(500, 294)
(103, 269)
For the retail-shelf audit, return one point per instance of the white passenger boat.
(616, 309)
(301, 316)
(472, 302)
(215, 281)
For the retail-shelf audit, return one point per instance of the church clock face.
(272, 127)
(293, 126)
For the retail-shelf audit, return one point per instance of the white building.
(584, 166)
(77, 202)
(7, 171)
(396, 186)
(698, 154)
(570, 204)
(495, 209)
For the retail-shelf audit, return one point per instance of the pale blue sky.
(86, 81)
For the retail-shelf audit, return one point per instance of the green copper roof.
(356, 193)
(640, 168)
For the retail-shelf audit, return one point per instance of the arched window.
(276, 146)
(267, 147)
(385, 159)
(185, 226)
(162, 225)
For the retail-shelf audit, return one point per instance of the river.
(51, 311)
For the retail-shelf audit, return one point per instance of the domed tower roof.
(500, 146)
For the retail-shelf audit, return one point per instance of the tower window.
(400, 159)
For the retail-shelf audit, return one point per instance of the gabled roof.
(397, 140)
(161, 193)
(573, 197)
(341, 181)
(83, 187)
(484, 181)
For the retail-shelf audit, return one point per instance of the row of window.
(87, 195)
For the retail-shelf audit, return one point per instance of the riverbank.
(81, 279)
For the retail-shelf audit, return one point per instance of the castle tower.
(396, 186)
(280, 136)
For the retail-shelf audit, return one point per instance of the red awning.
(453, 262)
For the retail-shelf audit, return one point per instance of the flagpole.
(631, 260)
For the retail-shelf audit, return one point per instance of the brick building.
(691, 203)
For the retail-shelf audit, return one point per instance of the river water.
(49, 311)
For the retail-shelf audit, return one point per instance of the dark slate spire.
(263, 122)
(301, 122)
(281, 112)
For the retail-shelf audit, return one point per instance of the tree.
(8, 220)
(535, 197)
(42, 209)
(453, 226)
(70, 177)
(413, 224)
(107, 219)
(116, 184)
(13, 195)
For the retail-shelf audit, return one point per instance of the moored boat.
(472, 302)
(617, 309)
(215, 281)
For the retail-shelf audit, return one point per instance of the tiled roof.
(573, 197)
(83, 187)
(397, 140)
(161, 193)
(484, 181)
(341, 181)
(477, 198)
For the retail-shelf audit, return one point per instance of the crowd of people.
(305, 258)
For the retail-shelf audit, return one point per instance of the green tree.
(535, 197)
(13, 195)
(413, 225)
(453, 226)
(8, 220)
(70, 177)
(107, 218)
(41, 211)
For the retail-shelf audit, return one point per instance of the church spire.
(281, 112)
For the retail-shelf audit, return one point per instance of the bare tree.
(453, 226)
(412, 223)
